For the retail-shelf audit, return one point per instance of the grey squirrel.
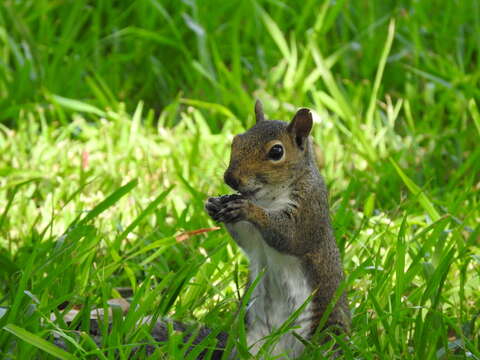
(280, 218)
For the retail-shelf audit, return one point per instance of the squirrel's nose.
(230, 180)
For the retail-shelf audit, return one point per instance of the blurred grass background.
(99, 94)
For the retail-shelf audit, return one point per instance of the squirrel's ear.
(300, 126)
(259, 116)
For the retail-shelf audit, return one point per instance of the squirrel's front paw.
(233, 211)
(217, 203)
(213, 206)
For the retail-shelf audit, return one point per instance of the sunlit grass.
(111, 151)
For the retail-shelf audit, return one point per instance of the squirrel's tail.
(192, 336)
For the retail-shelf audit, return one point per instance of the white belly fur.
(282, 290)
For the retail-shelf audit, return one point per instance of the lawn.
(116, 120)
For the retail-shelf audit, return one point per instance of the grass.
(116, 120)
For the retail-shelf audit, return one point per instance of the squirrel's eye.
(276, 152)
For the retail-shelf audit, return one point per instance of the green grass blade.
(77, 105)
(109, 201)
(418, 193)
(150, 208)
(7, 265)
(38, 342)
(378, 76)
(275, 33)
(472, 106)
(209, 106)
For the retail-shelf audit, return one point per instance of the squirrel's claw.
(213, 206)
(232, 211)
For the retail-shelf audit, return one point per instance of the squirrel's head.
(271, 154)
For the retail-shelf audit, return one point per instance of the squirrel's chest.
(281, 290)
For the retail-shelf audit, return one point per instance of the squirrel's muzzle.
(230, 180)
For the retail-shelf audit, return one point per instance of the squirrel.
(280, 218)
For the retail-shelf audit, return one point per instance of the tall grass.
(117, 119)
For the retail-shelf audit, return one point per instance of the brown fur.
(302, 228)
